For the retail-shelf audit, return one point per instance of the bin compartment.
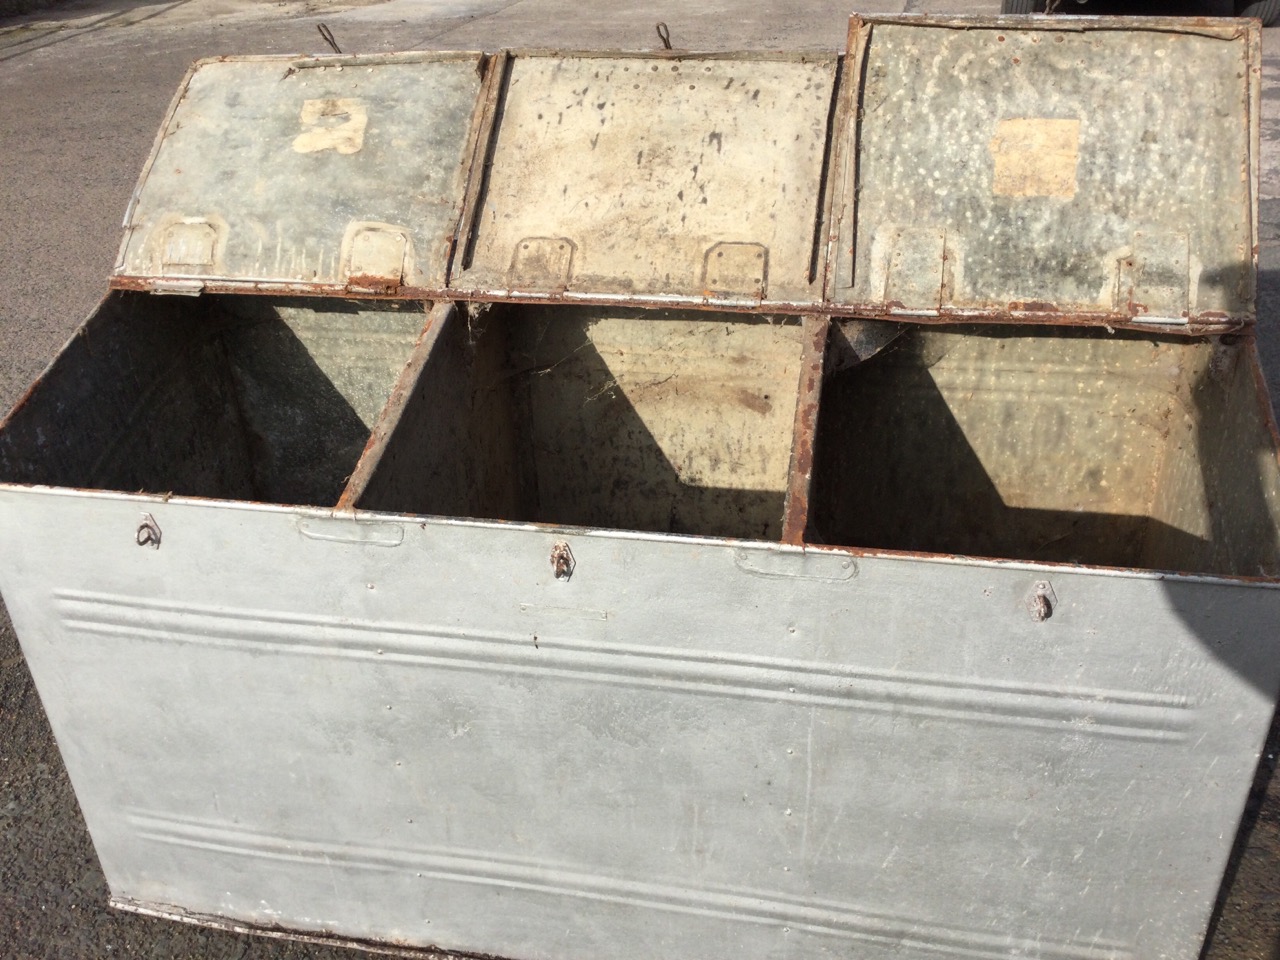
(674, 422)
(1056, 446)
(231, 397)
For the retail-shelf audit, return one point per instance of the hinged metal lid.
(1057, 169)
(314, 174)
(655, 178)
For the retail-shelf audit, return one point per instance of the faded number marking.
(332, 124)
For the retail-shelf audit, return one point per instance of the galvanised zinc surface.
(691, 177)
(408, 730)
(308, 170)
(1056, 166)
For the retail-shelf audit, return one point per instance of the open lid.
(307, 174)
(655, 178)
(1054, 169)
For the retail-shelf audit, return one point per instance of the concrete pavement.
(83, 94)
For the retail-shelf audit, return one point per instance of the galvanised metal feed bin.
(612, 505)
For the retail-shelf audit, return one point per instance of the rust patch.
(1198, 324)
(796, 506)
(367, 283)
(381, 288)
(392, 410)
(138, 284)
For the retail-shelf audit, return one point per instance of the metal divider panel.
(1093, 170)
(314, 173)
(689, 178)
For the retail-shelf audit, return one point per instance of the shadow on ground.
(61, 9)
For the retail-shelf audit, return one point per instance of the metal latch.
(178, 288)
(1042, 601)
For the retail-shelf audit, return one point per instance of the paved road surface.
(80, 100)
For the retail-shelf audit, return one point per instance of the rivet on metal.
(1041, 601)
(148, 532)
(562, 562)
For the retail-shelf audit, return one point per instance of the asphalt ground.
(83, 90)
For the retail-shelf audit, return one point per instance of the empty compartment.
(231, 397)
(1056, 446)
(669, 421)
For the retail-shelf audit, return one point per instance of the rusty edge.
(792, 56)
(1217, 28)
(166, 128)
(1253, 110)
(492, 102)
(1207, 323)
(437, 319)
(795, 511)
(480, 138)
(820, 254)
(385, 947)
(1034, 313)
(844, 196)
(307, 61)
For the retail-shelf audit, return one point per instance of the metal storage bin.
(602, 505)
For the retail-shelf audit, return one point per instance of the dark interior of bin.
(234, 397)
(1050, 444)
(670, 421)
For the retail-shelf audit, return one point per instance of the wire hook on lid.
(328, 37)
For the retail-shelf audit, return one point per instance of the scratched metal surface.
(684, 178)
(408, 730)
(1002, 168)
(316, 170)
